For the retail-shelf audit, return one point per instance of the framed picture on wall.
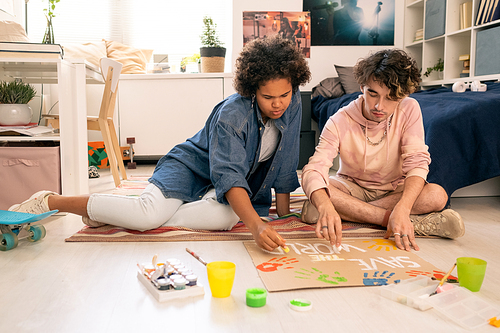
(351, 22)
(295, 26)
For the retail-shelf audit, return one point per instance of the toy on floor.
(131, 164)
(11, 224)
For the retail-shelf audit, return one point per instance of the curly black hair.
(267, 59)
(392, 67)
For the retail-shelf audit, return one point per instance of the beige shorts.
(363, 194)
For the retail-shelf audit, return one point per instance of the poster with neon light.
(351, 22)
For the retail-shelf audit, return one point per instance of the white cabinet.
(71, 78)
(162, 110)
(449, 46)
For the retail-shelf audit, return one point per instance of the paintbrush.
(196, 256)
(443, 279)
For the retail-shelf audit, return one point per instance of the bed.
(462, 130)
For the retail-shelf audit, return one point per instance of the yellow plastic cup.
(471, 272)
(221, 278)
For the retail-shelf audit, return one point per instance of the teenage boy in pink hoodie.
(384, 161)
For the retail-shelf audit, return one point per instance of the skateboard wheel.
(37, 232)
(8, 242)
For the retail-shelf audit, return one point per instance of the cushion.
(11, 31)
(328, 88)
(347, 79)
(92, 52)
(134, 60)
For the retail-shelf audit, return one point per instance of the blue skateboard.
(11, 223)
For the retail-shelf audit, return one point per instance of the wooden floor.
(53, 286)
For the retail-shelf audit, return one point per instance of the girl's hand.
(266, 237)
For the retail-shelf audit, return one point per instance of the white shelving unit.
(449, 47)
(71, 78)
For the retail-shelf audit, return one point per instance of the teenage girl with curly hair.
(225, 172)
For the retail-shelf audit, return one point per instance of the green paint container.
(256, 297)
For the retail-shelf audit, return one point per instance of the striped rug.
(289, 227)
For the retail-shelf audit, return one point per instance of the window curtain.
(166, 26)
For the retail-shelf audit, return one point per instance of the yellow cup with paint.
(221, 278)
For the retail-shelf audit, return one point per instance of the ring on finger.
(404, 235)
(397, 233)
(324, 227)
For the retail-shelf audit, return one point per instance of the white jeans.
(151, 210)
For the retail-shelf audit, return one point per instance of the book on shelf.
(488, 11)
(481, 11)
(30, 50)
(31, 129)
(419, 35)
(465, 12)
(495, 13)
(464, 57)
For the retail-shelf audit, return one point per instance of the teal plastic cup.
(471, 272)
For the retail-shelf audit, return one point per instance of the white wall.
(322, 57)
(18, 13)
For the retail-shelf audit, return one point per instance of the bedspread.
(462, 131)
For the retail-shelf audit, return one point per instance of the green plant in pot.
(14, 99)
(438, 67)
(212, 51)
(48, 37)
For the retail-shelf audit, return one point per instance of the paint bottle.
(185, 271)
(191, 280)
(179, 267)
(163, 283)
(169, 270)
(180, 283)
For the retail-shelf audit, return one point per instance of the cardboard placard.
(314, 263)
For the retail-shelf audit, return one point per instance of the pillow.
(328, 88)
(92, 52)
(134, 60)
(11, 31)
(347, 79)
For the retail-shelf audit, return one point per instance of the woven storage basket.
(212, 64)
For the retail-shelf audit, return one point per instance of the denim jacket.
(224, 154)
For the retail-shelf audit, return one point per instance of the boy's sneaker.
(309, 214)
(36, 204)
(91, 223)
(447, 224)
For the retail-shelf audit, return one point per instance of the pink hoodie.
(403, 153)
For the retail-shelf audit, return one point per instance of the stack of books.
(488, 11)
(466, 65)
(465, 15)
(30, 50)
(419, 35)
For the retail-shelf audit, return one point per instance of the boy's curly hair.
(392, 67)
(267, 59)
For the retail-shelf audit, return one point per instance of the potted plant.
(14, 98)
(438, 67)
(48, 37)
(190, 64)
(212, 51)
